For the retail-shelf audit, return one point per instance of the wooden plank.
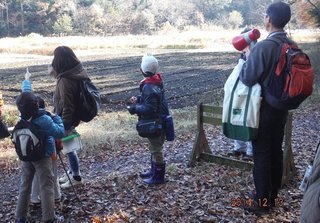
(199, 117)
(212, 109)
(211, 120)
(226, 161)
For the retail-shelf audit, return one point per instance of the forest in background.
(122, 17)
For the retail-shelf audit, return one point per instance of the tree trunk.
(7, 11)
(22, 17)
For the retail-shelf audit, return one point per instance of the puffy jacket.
(67, 94)
(50, 142)
(152, 95)
(49, 128)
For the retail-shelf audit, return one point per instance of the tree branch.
(314, 5)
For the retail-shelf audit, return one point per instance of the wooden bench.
(208, 114)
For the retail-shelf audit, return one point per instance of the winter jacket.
(310, 207)
(50, 142)
(67, 94)
(49, 128)
(262, 60)
(152, 95)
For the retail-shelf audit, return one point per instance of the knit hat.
(27, 104)
(149, 65)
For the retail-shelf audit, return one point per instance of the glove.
(243, 56)
(131, 109)
(59, 146)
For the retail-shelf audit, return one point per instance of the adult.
(68, 71)
(267, 147)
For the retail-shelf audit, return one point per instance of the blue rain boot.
(149, 173)
(158, 174)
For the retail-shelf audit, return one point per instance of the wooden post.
(200, 144)
(201, 150)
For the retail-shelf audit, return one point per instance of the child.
(240, 147)
(35, 191)
(150, 105)
(28, 107)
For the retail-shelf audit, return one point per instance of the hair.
(41, 102)
(27, 104)
(280, 14)
(64, 59)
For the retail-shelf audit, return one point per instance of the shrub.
(63, 25)
(235, 19)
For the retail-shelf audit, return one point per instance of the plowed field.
(189, 78)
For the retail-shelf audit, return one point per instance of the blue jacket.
(49, 128)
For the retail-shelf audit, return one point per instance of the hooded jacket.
(152, 96)
(67, 94)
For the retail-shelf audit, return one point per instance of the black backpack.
(29, 145)
(90, 101)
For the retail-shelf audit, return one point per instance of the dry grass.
(38, 48)
(112, 130)
(109, 131)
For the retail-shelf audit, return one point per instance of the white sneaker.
(68, 184)
(65, 178)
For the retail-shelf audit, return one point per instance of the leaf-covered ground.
(113, 191)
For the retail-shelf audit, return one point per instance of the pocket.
(149, 128)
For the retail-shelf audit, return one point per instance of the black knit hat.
(27, 104)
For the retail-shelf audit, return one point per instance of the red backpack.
(291, 82)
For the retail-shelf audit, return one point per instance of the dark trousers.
(267, 154)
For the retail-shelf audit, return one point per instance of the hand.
(50, 69)
(243, 56)
(247, 53)
(27, 74)
(133, 99)
(131, 109)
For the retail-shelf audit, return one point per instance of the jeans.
(74, 163)
(268, 154)
(43, 170)
(156, 147)
(242, 146)
(35, 191)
